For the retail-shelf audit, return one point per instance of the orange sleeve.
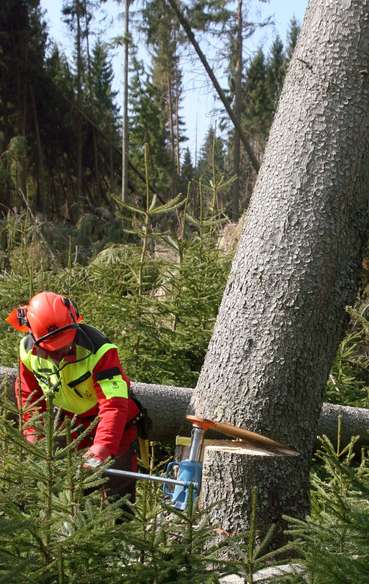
(113, 412)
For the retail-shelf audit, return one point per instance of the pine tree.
(212, 155)
(74, 12)
(292, 36)
(147, 120)
(100, 85)
(187, 170)
(210, 172)
(22, 48)
(163, 39)
(105, 112)
(187, 182)
(276, 71)
(256, 115)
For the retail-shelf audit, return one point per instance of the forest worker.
(82, 368)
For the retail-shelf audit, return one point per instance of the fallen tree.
(167, 406)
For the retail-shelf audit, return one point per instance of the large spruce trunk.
(296, 268)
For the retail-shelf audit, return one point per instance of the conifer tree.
(73, 11)
(22, 49)
(163, 39)
(211, 170)
(256, 116)
(147, 120)
(293, 33)
(212, 155)
(276, 71)
(187, 170)
(105, 112)
(100, 85)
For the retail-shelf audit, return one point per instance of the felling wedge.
(251, 438)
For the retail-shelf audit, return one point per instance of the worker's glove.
(92, 463)
(94, 457)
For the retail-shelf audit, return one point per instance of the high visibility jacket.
(87, 382)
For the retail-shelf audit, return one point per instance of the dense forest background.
(61, 127)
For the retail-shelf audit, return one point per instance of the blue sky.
(199, 100)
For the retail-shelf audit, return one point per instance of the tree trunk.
(242, 466)
(296, 267)
(125, 103)
(167, 407)
(235, 203)
(171, 134)
(87, 38)
(79, 101)
(177, 120)
(42, 202)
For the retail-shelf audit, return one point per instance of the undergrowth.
(332, 543)
(57, 527)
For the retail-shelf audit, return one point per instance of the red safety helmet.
(50, 318)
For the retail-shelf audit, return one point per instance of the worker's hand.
(91, 462)
(31, 437)
(95, 456)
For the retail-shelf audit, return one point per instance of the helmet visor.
(58, 339)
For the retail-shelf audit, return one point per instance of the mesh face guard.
(54, 333)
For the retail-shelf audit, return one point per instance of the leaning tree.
(296, 268)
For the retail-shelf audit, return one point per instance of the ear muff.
(18, 319)
(72, 309)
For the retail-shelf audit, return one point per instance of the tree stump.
(229, 472)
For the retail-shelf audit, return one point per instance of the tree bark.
(241, 466)
(167, 406)
(297, 264)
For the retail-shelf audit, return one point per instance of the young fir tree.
(57, 526)
(331, 544)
